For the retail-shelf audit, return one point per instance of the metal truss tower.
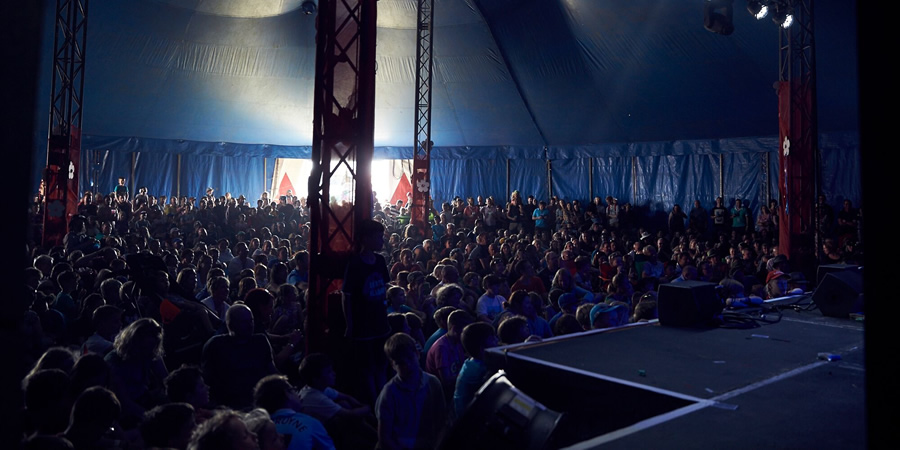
(343, 145)
(422, 144)
(798, 134)
(64, 142)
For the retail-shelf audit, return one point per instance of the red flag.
(285, 185)
(403, 188)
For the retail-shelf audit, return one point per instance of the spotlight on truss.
(717, 16)
(757, 9)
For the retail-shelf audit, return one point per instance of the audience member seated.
(94, 421)
(233, 363)
(349, 422)
(168, 426)
(224, 431)
(64, 308)
(476, 338)
(186, 385)
(138, 370)
(446, 356)
(276, 395)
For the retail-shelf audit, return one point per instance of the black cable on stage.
(748, 318)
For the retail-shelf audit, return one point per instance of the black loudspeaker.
(501, 416)
(840, 293)
(825, 269)
(688, 304)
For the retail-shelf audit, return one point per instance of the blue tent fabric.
(571, 179)
(529, 177)
(569, 81)
(468, 178)
(612, 176)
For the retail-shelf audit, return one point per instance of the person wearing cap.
(779, 263)
(568, 304)
(609, 315)
(777, 284)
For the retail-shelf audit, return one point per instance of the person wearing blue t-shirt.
(476, 337)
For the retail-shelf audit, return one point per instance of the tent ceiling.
(237, 8)
(507, 72)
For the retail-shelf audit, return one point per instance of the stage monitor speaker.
(501, 416)
(840, 293)
(688, 304)
(825, 269)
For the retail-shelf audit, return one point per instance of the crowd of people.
(167, 322)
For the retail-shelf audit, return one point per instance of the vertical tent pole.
(591, 179)
(634, 179)
(131, 177)
(549, 179)
(549, 173)
(178, 177)
(508, 189)
(722, 177)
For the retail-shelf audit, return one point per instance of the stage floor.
(650, 386)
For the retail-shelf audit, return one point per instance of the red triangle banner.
(403, 188)
(285, 185)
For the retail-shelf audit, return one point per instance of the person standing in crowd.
(740, 218)
(719, 216)
(365, 311)
(698, 218)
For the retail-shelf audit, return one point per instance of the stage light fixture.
(782, 15)
(788, 20)
(757, 9)
(717, 16)
(309, 6)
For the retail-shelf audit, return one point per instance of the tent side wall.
(651, 176)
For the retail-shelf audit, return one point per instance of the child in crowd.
(440, 318)
(490, 305)
(398, 323)
(397, 302)
(476, 337)
(288, 314)
(411, 408)
(609, 315)
(415, 328)
(513, 330)
(445, 357)
(107, 322)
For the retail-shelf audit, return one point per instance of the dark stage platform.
(651, 386)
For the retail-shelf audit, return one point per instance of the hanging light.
(309, 7)
(757, 9)
(717, 16)
(788, 20)
(782, 15)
